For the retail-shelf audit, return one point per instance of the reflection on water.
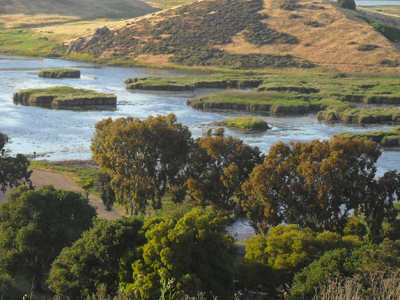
(241, 230)
(377, 3)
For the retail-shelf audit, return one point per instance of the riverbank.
(386, 138)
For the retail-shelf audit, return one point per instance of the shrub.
(391, 33)
(350, 4)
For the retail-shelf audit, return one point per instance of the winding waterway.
(65, 135)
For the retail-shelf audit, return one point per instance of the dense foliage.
(319, 184)
(345, 263)
(272, 261)
(94, 259)
(350, 4)
(36, 225)
(194, 252)
(13, 170)
(144, 158)
(218, 168)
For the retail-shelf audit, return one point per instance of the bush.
(350, 4)
(391, 33)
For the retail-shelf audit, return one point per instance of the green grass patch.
(273, 102)
(361, 115)
(184, 83)
(60, 73)
(247, 123)
(78, 172)
(63, 96)
(25, 42)
(332, 94)
(386, 138)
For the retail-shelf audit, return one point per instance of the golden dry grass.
(22, 20)
(333, 45)
(85, 9)
(71, 31)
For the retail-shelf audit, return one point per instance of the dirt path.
(40, 177)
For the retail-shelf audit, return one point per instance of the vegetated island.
(247, 123)
(60, 73)
(386, 138)
(190, 83)
(64, 97)
(335, 96)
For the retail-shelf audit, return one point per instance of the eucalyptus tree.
(319, 184)
(218, 168)
(145, 158)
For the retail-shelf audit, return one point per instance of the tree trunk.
(37, 286)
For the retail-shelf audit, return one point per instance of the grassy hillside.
(56, 11)
(255, 34)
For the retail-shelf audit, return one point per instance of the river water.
(377, 3)
(65, 135)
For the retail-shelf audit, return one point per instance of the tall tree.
(13, 170)
(192, 253)
(144, 158)
(319, 184)
(36, 225)
(218, 168)
(94, 259)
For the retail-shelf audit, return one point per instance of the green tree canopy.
(36, 225)
(193, 250)
(286, 250)
(93, 260)
(144, 158)
(13, 170)
(350, 4)
(319, 184)
(344, 263)
(218, 168)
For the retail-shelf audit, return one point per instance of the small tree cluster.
(320, 184)
(350, 4)
(146, 159)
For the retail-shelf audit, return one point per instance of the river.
(377, 3)
(65, 135)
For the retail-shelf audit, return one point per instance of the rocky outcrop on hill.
(87, 42)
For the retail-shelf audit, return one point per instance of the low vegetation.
(334, 95)
(247, 123)
(386, 138)
(63, 97)
(202, 26)
(361, 115)
(77, 171)
(60, 73)
(273, 102)
(220, 81)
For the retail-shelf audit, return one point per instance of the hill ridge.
(84, 9)
(253, 34)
